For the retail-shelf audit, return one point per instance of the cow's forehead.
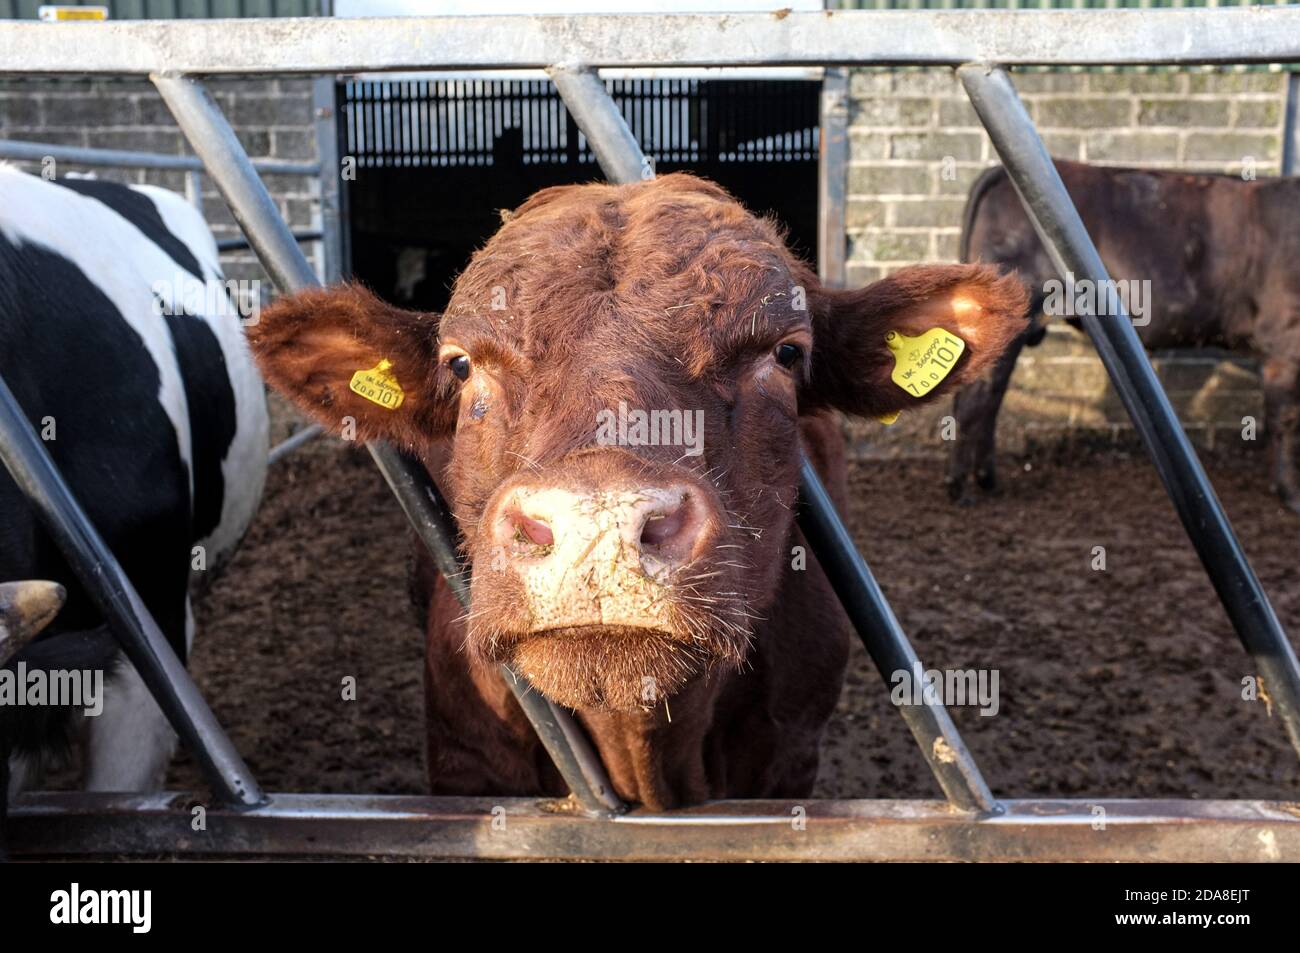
(656, 265)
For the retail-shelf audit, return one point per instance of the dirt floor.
(1123, 682)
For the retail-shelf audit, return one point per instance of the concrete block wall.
(915, 148)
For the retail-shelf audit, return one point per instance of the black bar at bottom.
(1071, 249)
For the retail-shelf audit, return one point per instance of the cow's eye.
(460, 366)
(788, 355)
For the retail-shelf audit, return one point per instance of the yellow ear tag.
(921, 363)
(378, 385)
(888, 419)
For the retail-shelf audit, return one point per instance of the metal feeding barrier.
(973, 824)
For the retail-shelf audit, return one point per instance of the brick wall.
(916, 147)
(273, 119)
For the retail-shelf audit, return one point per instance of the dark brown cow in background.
(649, 587)
(1220, 254)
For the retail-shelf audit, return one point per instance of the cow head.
(621, 370)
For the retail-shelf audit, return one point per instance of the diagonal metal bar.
(26, 459)
(887, 644)
(214, 141)
(563, 739)
(600, 120)
(1072, 252)
(622, 160)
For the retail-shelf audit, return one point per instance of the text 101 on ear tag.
(921, 363)
(378, 385)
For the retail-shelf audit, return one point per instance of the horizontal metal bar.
(67, 824)
(235, 244)
(1072, 251)
(126, 159)
(830, 38)
(25, 457)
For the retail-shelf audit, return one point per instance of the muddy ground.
(1123, 682)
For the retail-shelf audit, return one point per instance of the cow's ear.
(357, 365)
(908, 338)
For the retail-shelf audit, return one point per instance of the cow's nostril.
(669, 535)
(535, 531)
(660, 528)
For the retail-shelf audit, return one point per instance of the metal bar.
(214, 142)
(1291, 126)
(564, 741)
(886, 642)
(291, 443)
(622, 161)
(235, 244)
(37, 151)
(1071, 249)
(830, 38)
(27, 461)
(612, 141)
(194, 189)
(832, 178)
(347, 125)
(71, 824)
(324, 108)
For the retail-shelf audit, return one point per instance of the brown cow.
(1220, 255)
(648, 587)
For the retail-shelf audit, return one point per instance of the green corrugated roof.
(172, 9)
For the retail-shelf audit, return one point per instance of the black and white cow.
(121, 343)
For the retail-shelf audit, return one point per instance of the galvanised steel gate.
(973, 824)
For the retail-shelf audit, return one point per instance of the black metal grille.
(483, 122)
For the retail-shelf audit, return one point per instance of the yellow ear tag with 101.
(921, 363)
(378, 385)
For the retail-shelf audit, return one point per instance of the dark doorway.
(436, 161)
